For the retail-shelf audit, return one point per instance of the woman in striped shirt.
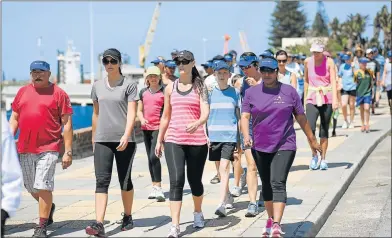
(184, 116)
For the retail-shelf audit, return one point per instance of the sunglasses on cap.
(246, 67)
(282, 61)
(183, 62)
(112, 61)
(266, 70)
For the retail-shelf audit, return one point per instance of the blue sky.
(123, 25)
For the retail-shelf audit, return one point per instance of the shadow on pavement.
(144, 222)
(296, 229)
(71, 225)
(293, 201)
(330, 165)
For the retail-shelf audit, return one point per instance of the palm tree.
(353, 29)
(385, 23)
(335, 29)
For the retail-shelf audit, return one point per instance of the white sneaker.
(345, 125)
(198, 220)
(229, 201)
(174, 231)
(236, 191)
(152, 194)
(221, 211)
(351, 126)
(159, 194)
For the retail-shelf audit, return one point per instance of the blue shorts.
(364, 100)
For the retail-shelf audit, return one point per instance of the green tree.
(382, 22)
(353, 28)
(319, 27)
(288, 20)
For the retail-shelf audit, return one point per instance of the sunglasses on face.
(111, 61)
(282, 61)
(267, 71)
(183, 62)
(246, 67)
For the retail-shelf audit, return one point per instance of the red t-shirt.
(40, 111)
(152, 107)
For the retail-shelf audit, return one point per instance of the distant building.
(288, 42)
(69, 70)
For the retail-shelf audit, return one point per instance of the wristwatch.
(69, 153)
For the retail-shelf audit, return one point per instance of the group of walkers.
(247, 107)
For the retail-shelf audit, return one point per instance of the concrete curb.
(326, 206)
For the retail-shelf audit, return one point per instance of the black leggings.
(325, 113)
(154, 163)
(104, 154)
(195, 159)
(273, 170)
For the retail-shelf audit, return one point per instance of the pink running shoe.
(267, 228)
(276, 231)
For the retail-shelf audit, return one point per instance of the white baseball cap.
(368, 51)
(317, 47)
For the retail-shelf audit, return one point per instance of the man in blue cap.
(41, 111)
(208, 68)
(169, 71)
(266, 54)
(160, 63)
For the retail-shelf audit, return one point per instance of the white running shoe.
(198, 220)
(345, 125)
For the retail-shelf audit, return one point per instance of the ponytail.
(119, 69)
(197, 81)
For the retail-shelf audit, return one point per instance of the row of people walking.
(187, 118)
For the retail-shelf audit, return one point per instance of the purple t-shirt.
(272, 112)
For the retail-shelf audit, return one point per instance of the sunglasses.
(282, 61)
(112, 61)
(183, 62)
(245, 67)
(267, 70)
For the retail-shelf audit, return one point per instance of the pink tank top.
(319, 76)
(185, 110)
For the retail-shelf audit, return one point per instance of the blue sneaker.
(313, 164)
(323, 165)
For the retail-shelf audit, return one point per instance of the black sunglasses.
(282, 61)
(267, 70)
(112, 61)
(246, 67)
(183, 62)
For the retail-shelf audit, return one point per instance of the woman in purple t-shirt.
(272, 106)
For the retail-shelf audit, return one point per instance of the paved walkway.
(307, 190)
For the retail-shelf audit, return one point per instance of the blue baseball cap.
(39, 65)
(302, 57)
(363, 60)
(389, 53)
(208, 64)
(270, 63)
(170, 63)
(375, 49)
(267, 54)
(216, 62)
(245, 61)
(228, 57)
(346, 57)
(158, 60)
(221, 65)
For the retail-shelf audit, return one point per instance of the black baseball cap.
(114, 53)
(184, 54)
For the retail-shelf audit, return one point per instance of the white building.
(69, 66)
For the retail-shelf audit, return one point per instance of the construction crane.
(226, 37)
(144, 49)
(243, 41)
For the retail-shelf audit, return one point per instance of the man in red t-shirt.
(40, 110)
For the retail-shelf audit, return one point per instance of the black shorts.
(350, 93)
(220, 150)
(389, 94)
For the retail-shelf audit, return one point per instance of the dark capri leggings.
(195, 158)
(274, 169)
(104, 154)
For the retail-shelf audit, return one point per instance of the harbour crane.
(243, 41)
(144, 49)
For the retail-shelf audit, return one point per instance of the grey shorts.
(38, 170)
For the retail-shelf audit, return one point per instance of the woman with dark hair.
(113, 136)
(184, 116)
(272, 106)
(149, 111)
(284, 75)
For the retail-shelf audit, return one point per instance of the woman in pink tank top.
(320, 97)
(184, 116)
